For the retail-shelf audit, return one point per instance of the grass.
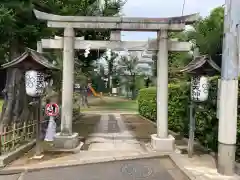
(107, 103)
(121, 105)
(1, 104)
(112, 103)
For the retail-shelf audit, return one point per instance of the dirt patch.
(84, 126)
(141, 128)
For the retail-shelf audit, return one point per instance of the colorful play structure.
(93, 91)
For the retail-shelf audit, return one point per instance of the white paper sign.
(34, 83)
(199, 88)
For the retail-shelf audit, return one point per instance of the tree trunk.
(16, 102)
(133, 87)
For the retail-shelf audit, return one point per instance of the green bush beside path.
(178, 112)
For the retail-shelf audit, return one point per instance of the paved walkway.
(113, 137)
(111, 134)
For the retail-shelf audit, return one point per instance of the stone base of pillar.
(163, 144)
(226, 159)
(66, 142)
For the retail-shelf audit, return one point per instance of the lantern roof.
(38, 59)
(201, 65)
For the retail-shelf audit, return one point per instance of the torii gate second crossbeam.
(115, 45)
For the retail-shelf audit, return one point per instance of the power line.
(183, 6)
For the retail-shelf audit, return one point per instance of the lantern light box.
(200, 68)
(199, 88)
(36, 67)
(34, 82)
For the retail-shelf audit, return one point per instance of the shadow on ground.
(140, 128)
(84, 126)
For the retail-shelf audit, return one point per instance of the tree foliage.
(176, 60)
(20, 28)
(208, 34)
(128, 68)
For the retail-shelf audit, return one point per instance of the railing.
(17, 134)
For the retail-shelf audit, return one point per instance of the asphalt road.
(149, 169)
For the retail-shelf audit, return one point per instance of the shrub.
(178, 114)
(147, 103)
(177, 106)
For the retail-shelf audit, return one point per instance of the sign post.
(199, 93)
(51, 110)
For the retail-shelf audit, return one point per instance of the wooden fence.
(18, 134)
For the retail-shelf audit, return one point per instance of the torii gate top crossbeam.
(117, 23)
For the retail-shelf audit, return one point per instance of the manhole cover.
(136, 170)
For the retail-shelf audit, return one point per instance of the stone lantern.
(27, 75)
(200, 68)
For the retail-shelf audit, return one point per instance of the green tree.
(111, 66)
(176, 60)
(128, 68)
(21, 29)
(207, 34)
(6, 23)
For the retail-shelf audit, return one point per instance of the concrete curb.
(180, 165)
(9, 157)
(211, 153)
(84, 162)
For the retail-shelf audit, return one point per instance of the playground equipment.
(93, 91)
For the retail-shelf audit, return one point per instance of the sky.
(164, 8)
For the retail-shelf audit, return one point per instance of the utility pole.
(227, 131)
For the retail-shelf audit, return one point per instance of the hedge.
(178, 112)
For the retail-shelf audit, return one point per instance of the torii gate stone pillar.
(162, 86)
(68, 81)
(161, 141)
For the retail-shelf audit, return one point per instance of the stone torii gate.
(161, 141)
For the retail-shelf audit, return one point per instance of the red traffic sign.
(52, 109)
